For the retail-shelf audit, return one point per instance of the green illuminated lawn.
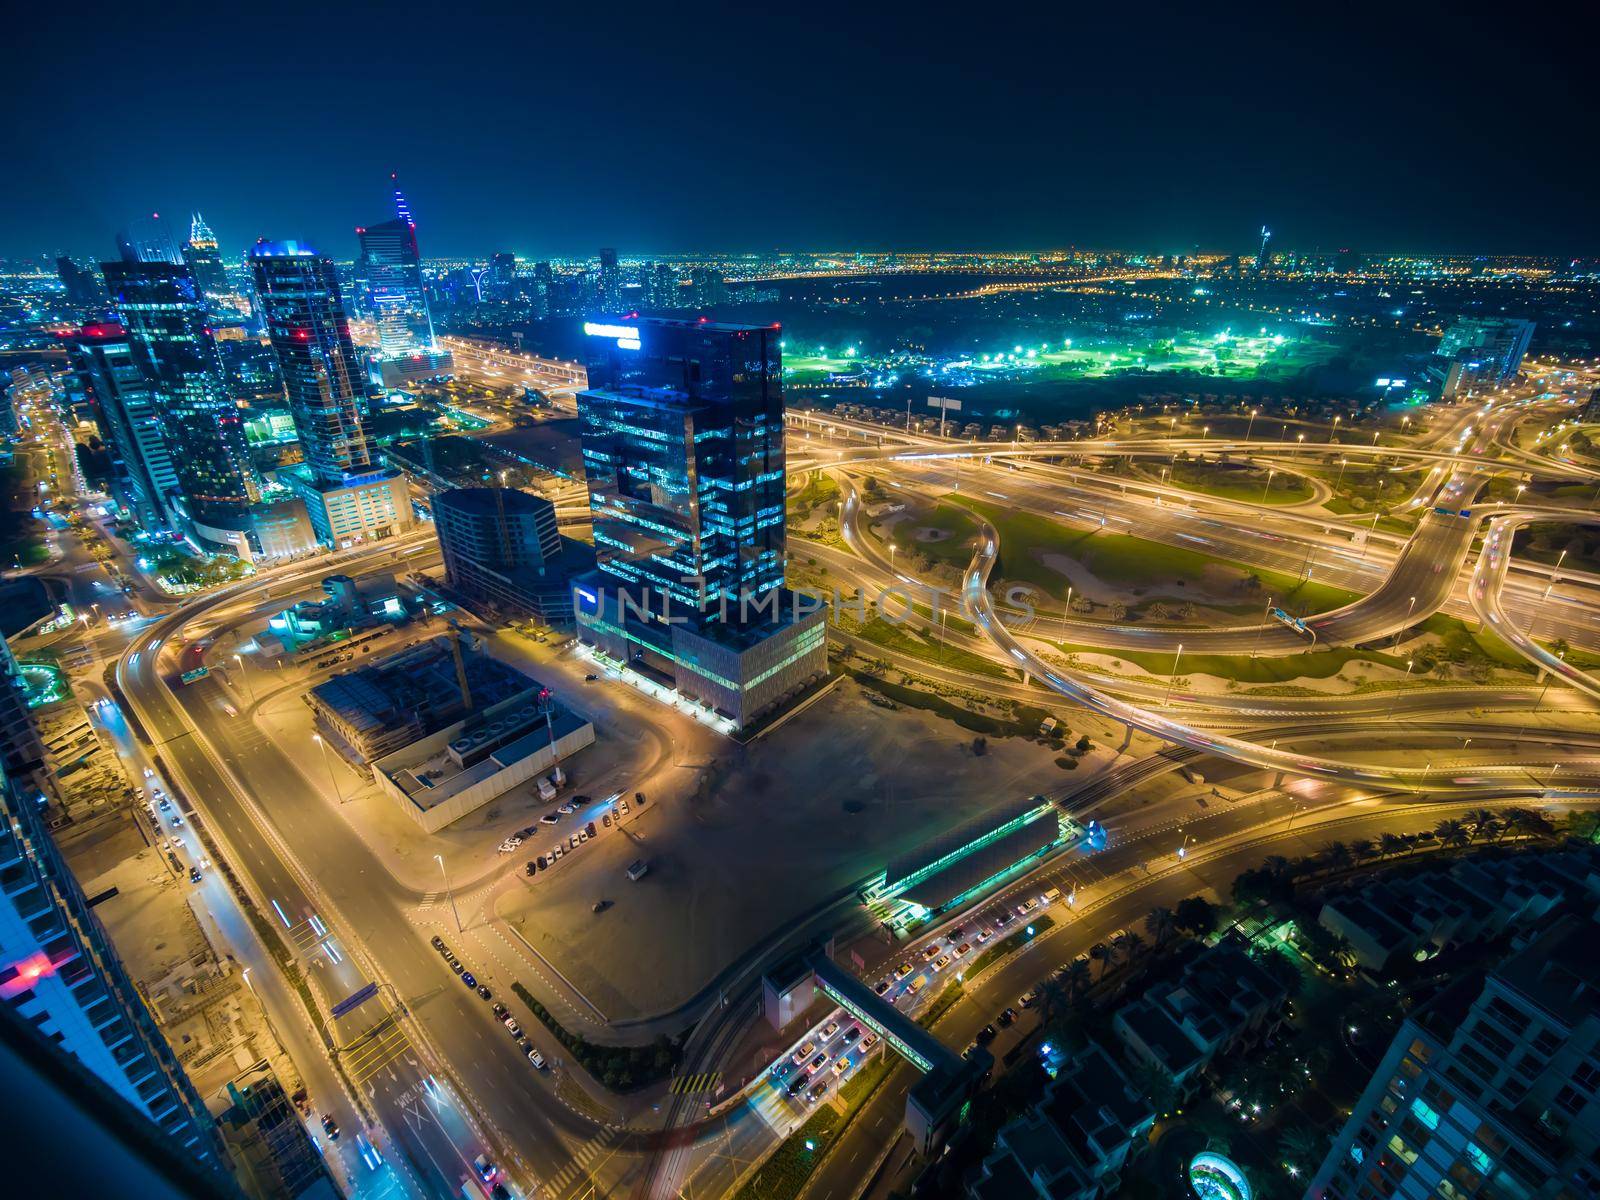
(818, 364)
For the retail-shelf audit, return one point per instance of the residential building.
(164, 314)
(502, 549)
(1481, 352)
(683, 449)
(1223, 1001)
(1491, 1089)
(1416, 917)
(1073, 1144)
(60, 975)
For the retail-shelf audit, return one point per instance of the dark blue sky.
(678, 126)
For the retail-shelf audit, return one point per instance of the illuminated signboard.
(627, 335)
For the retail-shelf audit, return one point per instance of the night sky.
(678, 127)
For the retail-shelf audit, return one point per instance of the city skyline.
(1045, 132)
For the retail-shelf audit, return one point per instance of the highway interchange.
(426, 1069)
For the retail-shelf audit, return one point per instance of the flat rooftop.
(442, 776)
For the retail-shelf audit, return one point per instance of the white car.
(149, 772)
(536, 1058)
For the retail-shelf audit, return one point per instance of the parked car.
(500, 1010)
(330, 1127)
(468, 978)
(536, 1058)
(485, 992)
(437, 942)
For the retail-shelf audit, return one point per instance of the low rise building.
(361, 507)
(1420, 915)
(1074, 1143)
(444, 776)
(380, 707)
(1223, 1001)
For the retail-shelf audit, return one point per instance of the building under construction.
(383, 706)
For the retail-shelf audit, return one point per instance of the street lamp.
(1410, 662)
(250, 689)
(1165, 700)
(1271, 471)
(1409, 607)
(1252, 423)
(327, 762)
(439, 858)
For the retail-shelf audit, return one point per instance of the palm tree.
(1277, 864)
(1482, 822)
(1303, 1146)
(1336, 856)
(1390, 844)
(1451, 832)
(1053, 996)
(1131, 944)
(1106, 953)
(1077, 977)
(1362, 849)
(1159, 924)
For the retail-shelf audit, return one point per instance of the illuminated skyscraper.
(145, 478)
(205, 262)
(148, 240)
(683, 449)
(310, 333)
(165, 317)
(391, 265)
(347, 497)
(610, 286)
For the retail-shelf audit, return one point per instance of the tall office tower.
(501, 547)
(60, 974)
(1261, 255)
(391, 264)
(610, 286)
(165, 317)
(147, 239)
(310, 334)
(82, 287)
(683, 448)
(1482, 352)
(347, 497)
(146, 479)
(205, 263)
(1491, 1092)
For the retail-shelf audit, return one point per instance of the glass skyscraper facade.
(146, 479)
(683, 446)
(204, 258)
(164, 313)
(391, 270)
(310, 333)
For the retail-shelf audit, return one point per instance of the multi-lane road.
(428, 1072)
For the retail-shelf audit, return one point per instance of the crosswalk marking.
(689, 1085)
(379, 1047)
(580, 1160)
(429, 900)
